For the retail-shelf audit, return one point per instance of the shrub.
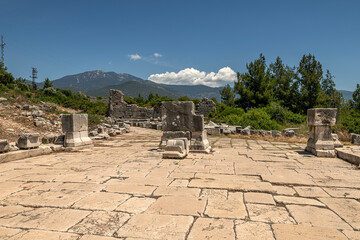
(295, 117)
(259, 119)
(232, 119)
(50, 91)
(350, 121)
(277, 112)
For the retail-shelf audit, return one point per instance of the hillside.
(347, 95)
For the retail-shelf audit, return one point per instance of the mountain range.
(98, 83)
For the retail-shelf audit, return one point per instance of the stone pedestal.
(180, 121)
(28, 141)
(320, 121)
(75, 127)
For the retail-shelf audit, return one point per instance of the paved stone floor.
(122, 189)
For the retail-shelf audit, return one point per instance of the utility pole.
(2, 48)
(34, 76)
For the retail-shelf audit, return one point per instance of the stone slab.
(208, 228)
(153, 226)
(301, 232)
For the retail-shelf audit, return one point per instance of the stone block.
(275, 133)
(75, 127)
(355, 138)
(321, 116)
(320, 141)
(49, 138)
(176, 148)
(213, 131)
(4, 145)
(172, 135)
(337, 143)
(178, 116)
(199, 142)
(74, 122)
(28, 141)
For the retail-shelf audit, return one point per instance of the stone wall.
(118, 108)
(205, 106)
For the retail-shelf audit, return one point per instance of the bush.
(50, 91)
(277, 112)
(258, 119)
(295, 117)
(349, 120)
(232, 119)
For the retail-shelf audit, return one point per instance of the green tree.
(227, 95)
(310, 74)
(283, 77)
(5, 77)
(329, 96)
(47, 83)
(254, 87)
(356, 97)
(184, 98)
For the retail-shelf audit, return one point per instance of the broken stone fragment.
(49, 138)
(355, 138)
(275, 133)
(176, 148)
(337, 143)
(4, 145)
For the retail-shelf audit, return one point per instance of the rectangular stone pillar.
(320, 121)
(75, 127)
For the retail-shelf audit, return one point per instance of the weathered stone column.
(180, 121)
(320, 121)
(75, 127)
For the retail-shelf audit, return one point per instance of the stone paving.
(123, 189)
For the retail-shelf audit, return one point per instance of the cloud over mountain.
(192, 76)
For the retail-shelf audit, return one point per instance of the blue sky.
(68, 37)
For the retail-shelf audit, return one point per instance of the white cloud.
(134, 57)
(110, 62)
(192, 76)
(157, 55)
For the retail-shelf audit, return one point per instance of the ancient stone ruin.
(320, 121)
(75, 127)
(28, 141)
(176, 148)
(180, 121)
(118, 108)
(205, 106)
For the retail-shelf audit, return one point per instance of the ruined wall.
(118, 108)
(205, 106)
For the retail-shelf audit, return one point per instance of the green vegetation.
(65, 98)
(273, 96)
(278, 96)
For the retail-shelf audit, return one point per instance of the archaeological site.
(179, 120)
(164, 174)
